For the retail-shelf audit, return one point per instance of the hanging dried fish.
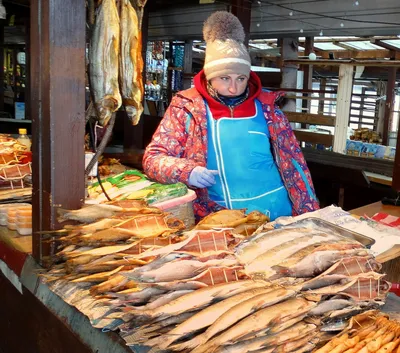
(131, 62)
(103, 65)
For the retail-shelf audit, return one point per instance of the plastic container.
(4, 211)
(24, 139)
(180, 207)
(24, 231)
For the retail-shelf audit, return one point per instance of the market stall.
(130, 269)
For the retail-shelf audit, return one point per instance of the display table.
(376, 207)
(390, 258)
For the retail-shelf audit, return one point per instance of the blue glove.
(201, 177)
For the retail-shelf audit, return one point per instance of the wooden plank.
(356, 54)
(385, 45)
(324, 62)
(289, 96)
(321, 103)
(314, 119)
(58, 46)
(375, 165)
(307, 74)
(379, 179)
(345, 87)
(2, 66)
(314, 137)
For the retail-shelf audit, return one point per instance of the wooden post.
(242, 10)
(390, 96)
(381, 91)
(188, 64)
(321, 102)
(345, 88)
(27, 69)
(289, 51)
(307, 76)
(2, 64)
(58, 30)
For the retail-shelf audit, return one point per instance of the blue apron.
(240, 149)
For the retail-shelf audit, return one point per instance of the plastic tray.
(180, 207)
(320, 223)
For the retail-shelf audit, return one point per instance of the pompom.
(223, 25)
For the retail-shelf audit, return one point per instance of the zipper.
(304, 177)
(231, 108)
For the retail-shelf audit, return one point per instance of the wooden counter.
(15, 241)
(373, 208)
(390, 258)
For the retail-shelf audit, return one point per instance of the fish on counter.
(103, 61)
(197, 299)
(92, 213)
(237, 313)
(256, 322)
(231, 219)
(205, 318)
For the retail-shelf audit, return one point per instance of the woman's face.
(230, 85)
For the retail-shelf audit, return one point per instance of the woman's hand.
(201, 177)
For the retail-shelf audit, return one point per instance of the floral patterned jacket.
(180, 144)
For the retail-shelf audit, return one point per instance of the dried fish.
(256, 322)
(236, 313)
(131, 63)
(103, 63)
(198, 299)
(205, 317)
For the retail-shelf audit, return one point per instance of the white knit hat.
(225, 52)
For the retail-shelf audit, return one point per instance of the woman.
(227, 139)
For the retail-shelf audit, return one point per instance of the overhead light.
(3, 13)
(207, 1)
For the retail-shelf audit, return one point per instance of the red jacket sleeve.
(164, 159)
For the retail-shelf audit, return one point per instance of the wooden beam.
(289, 51)
(347, 39)
(356, 54)
(314, 119)
(187, 64)
(58, 29)
(314, 137)
(390, 97)
(321, 103)
(242, 10)
(308, 73)
(384, 45)
(2, 66)
(345, 88)
(322, 62)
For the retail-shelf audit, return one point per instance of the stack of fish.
(214, 290)
(308, 279)
(125, 235)
(337, 272)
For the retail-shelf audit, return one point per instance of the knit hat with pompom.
(225, 52)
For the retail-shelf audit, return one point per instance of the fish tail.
(190, 345)
(62, 215)
(281, 270)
